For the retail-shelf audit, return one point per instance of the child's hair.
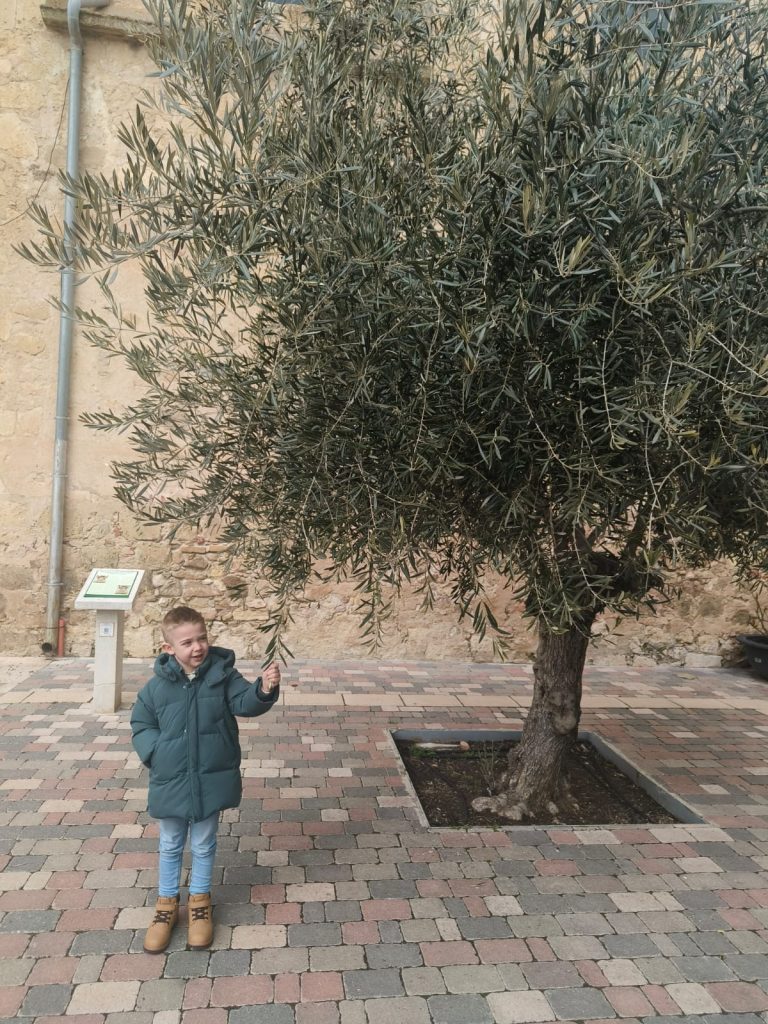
(180, 616)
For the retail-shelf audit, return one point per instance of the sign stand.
(110, 593)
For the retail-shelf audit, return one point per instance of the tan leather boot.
(159, 932)
(200, 934)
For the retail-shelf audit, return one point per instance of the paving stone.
(343, 910)
(275, 1014)
(666, 945)
(390, 931)
(428, 907)
(705, 920)
(459, 1009)
(314, 935)
(520, 1007)
(104, 942)
(319, 986)
(455, 908)
(352, 1011)
(584, 924)
(684, 1019)
(422, 930)
(542, 904)
(423, 981)
(591, 903)
(692, 998)
(699, 900)
(29, 921)
(572, 947)
(451, 952)
(685, 944)
(413, 871)
(14, 972)
(738, 996)
(731, 1018)
(559, 974)
(228, 962)
(703, 968)
(628, 1001)
(393, 954)
(748, 966)
(46, 1000)
(393, 889)
(259, 936)
(629, 945)
(575, 1003)
(280, 961)
(337, 958)
(313, 913)
(163, 994)
(186, 964)
(713, 944)
(545, 925)
(472, 978)
(243, 914)
(748, 942)
(512, 976)
(658, 971)
(484, 928)
(372, 984)
(408, 1009)
(104, 997)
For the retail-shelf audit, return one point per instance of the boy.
(184, 731)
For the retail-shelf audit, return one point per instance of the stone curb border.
(674, 804)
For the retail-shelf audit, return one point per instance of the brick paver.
(337, 904)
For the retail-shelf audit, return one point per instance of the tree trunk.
(550, 729)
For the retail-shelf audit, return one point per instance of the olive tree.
(442, 288)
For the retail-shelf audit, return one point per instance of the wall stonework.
(697, 629)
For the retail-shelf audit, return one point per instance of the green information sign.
(111, 583)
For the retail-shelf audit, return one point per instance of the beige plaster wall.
(99, 531)
(34, 68)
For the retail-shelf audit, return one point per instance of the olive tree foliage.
(441, 288)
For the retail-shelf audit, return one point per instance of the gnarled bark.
(535, 776)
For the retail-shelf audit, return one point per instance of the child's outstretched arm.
(251, 699)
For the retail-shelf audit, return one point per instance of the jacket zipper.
(190, 773)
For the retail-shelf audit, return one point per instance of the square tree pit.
(604, 787)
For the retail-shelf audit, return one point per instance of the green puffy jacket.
(185, 732)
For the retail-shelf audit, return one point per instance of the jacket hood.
(216, 665)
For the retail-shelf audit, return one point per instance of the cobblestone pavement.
(336, 905)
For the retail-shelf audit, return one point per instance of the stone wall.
(34, 69)
(696, 630)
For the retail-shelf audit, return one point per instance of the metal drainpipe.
(66, 327)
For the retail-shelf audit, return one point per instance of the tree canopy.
(438, 288)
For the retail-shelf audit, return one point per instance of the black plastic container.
(756, 650)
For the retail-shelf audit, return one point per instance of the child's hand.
(271, 677)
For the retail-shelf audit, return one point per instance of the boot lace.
(199, 913)
(162, 917)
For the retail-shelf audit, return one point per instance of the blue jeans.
(202, 843)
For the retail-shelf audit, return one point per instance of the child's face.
(188, 643)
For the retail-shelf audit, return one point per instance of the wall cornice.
(121, 20)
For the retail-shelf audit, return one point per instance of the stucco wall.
(34, 67)
(99, 531)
